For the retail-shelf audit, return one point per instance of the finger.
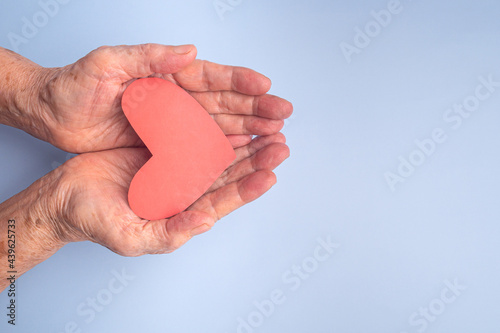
(239, 140)
(267, 106)
(126, 62)
(267, 158)
(235, 124)
(231, 197)
(202, 75)
(257, 144)
(165, 236)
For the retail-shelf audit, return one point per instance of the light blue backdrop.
(371, 81)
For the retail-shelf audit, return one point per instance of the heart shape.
(189, 150)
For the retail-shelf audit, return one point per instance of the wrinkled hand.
(80, 104)
(78, 108)
(95, 186)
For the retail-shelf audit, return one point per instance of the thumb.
(165, 236)
(126, 62)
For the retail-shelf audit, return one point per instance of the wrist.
(20, 87)
(37, 214)
(29, 111)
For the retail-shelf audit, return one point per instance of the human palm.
(83, 100)
(95, 187)
(78, 108)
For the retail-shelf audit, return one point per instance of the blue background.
(398, 251)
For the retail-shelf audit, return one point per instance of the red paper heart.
(189, 149)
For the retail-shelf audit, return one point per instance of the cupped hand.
(95, 186)
(80, 104)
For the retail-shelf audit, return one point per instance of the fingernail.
(183, 49)
(201, 229)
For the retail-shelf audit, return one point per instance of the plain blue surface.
(397, 253)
